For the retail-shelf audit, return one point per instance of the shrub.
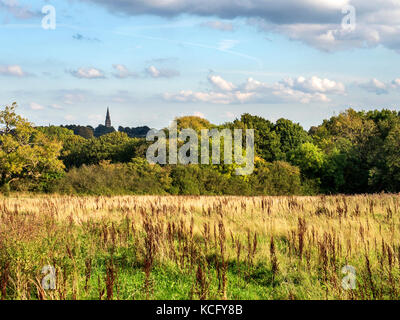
(136, 177)
(276, 178)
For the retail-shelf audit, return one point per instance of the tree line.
(353, 152)
(88, 132)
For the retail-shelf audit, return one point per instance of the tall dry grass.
(147, 247)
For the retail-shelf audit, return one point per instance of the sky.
(151, 61)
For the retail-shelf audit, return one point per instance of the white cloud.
(315, 84)
(122, 72)
(209, 97)
(377, 23)
(396, 83)
(300, 90)
(12, 70)
(288, 94)
(379, 87)
(255, 85)
(153, 72)
(35, 106)
(220, 83)
(87, 73)
(375, 86)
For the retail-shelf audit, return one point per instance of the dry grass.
(220, 247)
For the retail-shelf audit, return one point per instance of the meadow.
(192, 247)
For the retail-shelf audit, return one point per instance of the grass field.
(151, 247)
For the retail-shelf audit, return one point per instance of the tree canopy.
(353, 152)
(25, 152)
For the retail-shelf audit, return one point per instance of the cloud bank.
(379, 87)
(314, 22)
(298, 89)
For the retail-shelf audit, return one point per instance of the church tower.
(108, 119)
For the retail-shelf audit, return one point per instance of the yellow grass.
(339, 230)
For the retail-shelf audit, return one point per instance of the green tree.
(352, 141)
(73, 152)
(193, 122)
(85, 132)
(309, 158)
(291, 135)
(276, 178)
(115, 146)
(25, 153)
(102, 130)
(267, 141)
(386, 176)
(54, 132)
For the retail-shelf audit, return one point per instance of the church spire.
(108, 119)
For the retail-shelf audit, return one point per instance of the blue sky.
(151, 61)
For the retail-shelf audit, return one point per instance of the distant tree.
(115, 146)
(139, 132)
(85, 132)
(102, 130)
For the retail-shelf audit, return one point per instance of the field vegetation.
(191, 247)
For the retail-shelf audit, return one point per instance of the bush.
(136, 177)
(276, 178)
(139, 177)
(5, 189)
(205, 180)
